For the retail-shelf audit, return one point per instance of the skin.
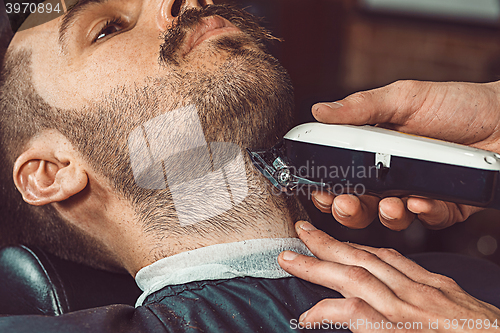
(52, 171)
(58, 72)
(465, 113)
(379, 285)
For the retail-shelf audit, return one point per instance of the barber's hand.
(466, 113)
(382, 286)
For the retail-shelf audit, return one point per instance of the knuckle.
(359, 96)
(316, 267)
(322, 310)
(355, 305)
(363, 256)
(445, 282)
(388, 254)
(405, 84)
(358, 273)
(323, 306)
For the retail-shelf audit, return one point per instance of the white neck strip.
(254, 258)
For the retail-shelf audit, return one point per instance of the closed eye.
(110, 28)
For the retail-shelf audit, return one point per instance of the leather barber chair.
(34, 282)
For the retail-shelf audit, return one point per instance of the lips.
(208, 28)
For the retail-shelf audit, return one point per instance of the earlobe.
(42, 178)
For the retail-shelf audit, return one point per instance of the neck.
(262, 214)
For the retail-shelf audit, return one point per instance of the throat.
(261, 215)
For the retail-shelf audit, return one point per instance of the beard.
(238, 93)
(244, 97)
(190, 18)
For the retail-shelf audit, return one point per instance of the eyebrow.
(72, 15)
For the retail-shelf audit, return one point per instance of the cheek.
(124, 60)
(117, 62)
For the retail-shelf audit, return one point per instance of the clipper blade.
(266, 161)
(274, 165)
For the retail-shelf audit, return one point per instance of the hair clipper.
(372, 160)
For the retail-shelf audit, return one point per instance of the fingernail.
(303, 316)
(321, 204)
(307, 226)
(384, 215)
(289, 255)
(332, 105)
(339, 211)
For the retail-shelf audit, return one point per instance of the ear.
(49, 170)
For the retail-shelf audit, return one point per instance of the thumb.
(388, 104)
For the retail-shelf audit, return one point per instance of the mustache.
(190, 18)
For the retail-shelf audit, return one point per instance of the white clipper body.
(373, 160)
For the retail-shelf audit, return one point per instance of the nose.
(170, 9)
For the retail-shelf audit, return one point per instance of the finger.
(350, 281)
(443, 289)
(394, 103)
(436, 214)
(323, 201)
(331, 250)
(415, 272)
(352, 314)
(406, 281)
(355, 212)
(432, 213)
(394, 214)
(406, 266)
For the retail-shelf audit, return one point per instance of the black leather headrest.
(33, 282)
(27, 286)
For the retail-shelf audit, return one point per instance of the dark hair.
(23, 114)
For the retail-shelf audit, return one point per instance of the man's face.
(111, 66)
(101, 47)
